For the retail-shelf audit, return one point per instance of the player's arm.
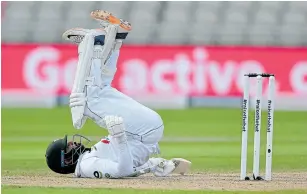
(104, 168)
(124, 166)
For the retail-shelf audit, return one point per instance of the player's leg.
(106, 19)
(102, 72)
(85, 53)
(107, 44)
(102, 53)
(102, 98)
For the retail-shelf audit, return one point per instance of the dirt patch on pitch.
(197, 181)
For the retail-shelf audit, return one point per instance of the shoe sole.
(72, 31)
(108, 17)
(77, 32)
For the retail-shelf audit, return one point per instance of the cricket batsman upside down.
(134, 130)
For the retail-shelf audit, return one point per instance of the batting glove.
(164, 168)
(77, 99)
(115, 125)
(77, 103)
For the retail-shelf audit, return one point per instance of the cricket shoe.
(76, 35)
(106, 18)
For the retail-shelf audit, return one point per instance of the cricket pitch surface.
(196, 181)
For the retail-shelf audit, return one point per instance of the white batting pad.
(85, 51)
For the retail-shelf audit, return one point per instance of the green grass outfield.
(210, 138)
